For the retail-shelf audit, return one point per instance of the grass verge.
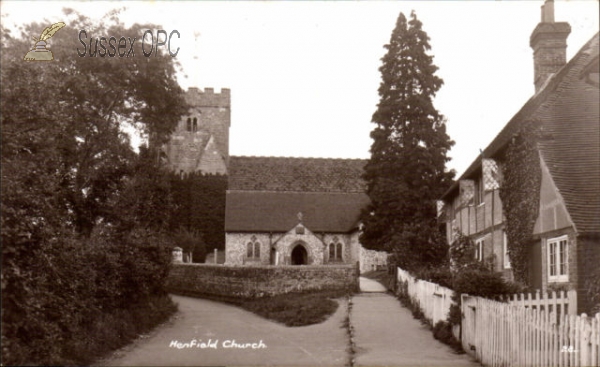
(295, 309)
(291, 309)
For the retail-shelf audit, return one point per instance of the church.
(279, 210)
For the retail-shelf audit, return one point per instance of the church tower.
(200, 142)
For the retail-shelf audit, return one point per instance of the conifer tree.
(406, 172)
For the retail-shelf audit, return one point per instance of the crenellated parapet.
(208, 97)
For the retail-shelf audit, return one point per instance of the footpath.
(386, 334)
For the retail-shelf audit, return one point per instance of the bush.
(442, 331)
(478, 280)
(441, 275)
(83, 297)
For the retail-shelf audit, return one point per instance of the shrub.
(442, 331)
(440, 275)
(478, 280)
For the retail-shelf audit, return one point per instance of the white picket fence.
(561, 303)
(501, 334)
(434, 300)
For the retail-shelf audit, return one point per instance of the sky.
(304, 75)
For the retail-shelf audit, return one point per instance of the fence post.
(572, 297)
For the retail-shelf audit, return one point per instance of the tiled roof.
(568, 110)
(571, 144)
(296, 174)
(259, 211)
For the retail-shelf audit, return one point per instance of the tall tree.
(406, 172)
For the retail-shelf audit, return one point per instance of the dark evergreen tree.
(406, 172)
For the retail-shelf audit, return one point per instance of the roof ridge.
(299, 158)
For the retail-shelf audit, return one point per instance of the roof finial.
(300, 217)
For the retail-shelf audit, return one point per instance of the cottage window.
(479, 244)
(505, 252)
(558, 266)
(479, 192)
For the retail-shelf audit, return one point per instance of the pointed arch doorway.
(299, 255)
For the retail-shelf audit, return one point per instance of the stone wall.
(372, 260)
(258, 281)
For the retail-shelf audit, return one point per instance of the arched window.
(253, 249)
(257, 250)
(335, 251)
(195, 127)
(189, 124)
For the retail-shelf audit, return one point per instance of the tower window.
(195, 126)
(189, 124)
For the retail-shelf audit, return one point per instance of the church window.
(257, 250)
(189, 124)
(253, 249)
(195, 126)
(335, 251)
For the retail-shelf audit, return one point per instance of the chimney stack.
(549, 43)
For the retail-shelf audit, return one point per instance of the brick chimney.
(549, 43)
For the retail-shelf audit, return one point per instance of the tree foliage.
(406, 172)
(83, 235)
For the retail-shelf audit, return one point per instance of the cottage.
(565, 240)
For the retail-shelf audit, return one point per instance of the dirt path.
(224, 328)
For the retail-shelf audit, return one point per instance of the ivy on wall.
(199, 206)
(520, 195)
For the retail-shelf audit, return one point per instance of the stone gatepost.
(177, 255)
